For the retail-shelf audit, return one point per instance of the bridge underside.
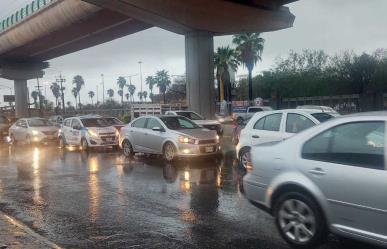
(68, 26)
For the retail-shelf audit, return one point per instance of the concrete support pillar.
(21, 98)
(199, 56)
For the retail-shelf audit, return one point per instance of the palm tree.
(127, 95)
(35, 95)
(55, 89)
(249, 49)
(110, 93)
(163, 81)
(224, 60)
(121, 82)
(145, 95)
(140, 95)
(132, 90)
(91, 96)
(150, 81)
(79, 83)
(75, 92)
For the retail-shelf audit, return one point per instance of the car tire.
(127, 148)
(244, 157)
(84, 145)
(169, 152)
(300, 221)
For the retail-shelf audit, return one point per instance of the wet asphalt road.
(102, 200)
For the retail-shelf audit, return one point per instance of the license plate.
(209, 149)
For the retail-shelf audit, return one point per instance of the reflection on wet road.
(103, 200)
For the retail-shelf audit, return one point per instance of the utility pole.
(40, 98)
(97, 95)
(61, 80)
(140, 62)
(103, 89)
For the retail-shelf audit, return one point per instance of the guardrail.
(23, 13)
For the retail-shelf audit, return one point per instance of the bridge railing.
(23, 13)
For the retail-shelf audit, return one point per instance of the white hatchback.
(272, 126)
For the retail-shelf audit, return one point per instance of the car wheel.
(169, 152)
(244, 157)
(127, 149)
(300, 220)
(84, 145)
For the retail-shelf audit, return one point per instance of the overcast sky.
(332, 25)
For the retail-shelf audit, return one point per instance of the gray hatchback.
(329, 178)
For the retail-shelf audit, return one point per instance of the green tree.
(79, 83)
(163, 81)
(145, 95)
(127, 96)
(75, 92)
(91, 96)
(224, 60)
(110, 93)
(140, 95)
(121, 82)
(249, 51)
(55, 89)
(132, 90)
(151, 82)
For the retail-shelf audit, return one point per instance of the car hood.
(206, 122)
(200, 134)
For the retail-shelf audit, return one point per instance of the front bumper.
(102, 142)
(44, 138)
(195, 150)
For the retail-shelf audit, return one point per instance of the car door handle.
(255, 136)
(317, 171)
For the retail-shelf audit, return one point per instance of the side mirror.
(157, 129)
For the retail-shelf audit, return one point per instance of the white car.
(33, 130)
(271, 126)
(209, 124)
(88, 131)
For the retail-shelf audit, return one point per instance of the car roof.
(373, 114)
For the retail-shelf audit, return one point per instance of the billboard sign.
(9, 98)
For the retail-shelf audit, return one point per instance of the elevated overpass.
(46, 29)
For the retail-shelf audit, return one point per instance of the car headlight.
(186, 140)
(221, 120)
(92, 133)
(217, 138)
(35, 133)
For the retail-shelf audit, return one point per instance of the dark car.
(4, 126)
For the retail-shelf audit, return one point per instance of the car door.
(347, 163)
(295, 123)
(17, 130)
(154, 139)
(66, 131)
(137, 132)
(267, 129)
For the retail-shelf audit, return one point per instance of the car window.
(76, 123)
(255, 109)
(269, 123)
(178, 123)
(67, 123)
(322, 116)
(113, 121)
(139, 123)
(358, 144)
(259, 124)
(21, 123)
(152, 122)
(190, 115)
(95, 122)
(39, 122)
(297, 122)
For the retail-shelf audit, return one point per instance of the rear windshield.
(39, 122)
(322, 117)
(190, 115)
(113, 121)
(95, 122)
(178, 123)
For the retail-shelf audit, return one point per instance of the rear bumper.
(255, 192)
(194, 150)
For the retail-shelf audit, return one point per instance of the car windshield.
(190, 115)
(113, 121)
(321, 116)
(179, 123)
(95, 122)
(39, 122)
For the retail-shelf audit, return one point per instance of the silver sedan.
(329, 178)
(170, 136)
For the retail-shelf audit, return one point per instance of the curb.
(29, 231)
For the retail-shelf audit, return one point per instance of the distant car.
(33, 130)
(4, 127)
(56, 120)
(330, 178)
(250, 111)
(209, 124)
(170, 136)
(115, 122)
(88, 132)
(273, 126)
